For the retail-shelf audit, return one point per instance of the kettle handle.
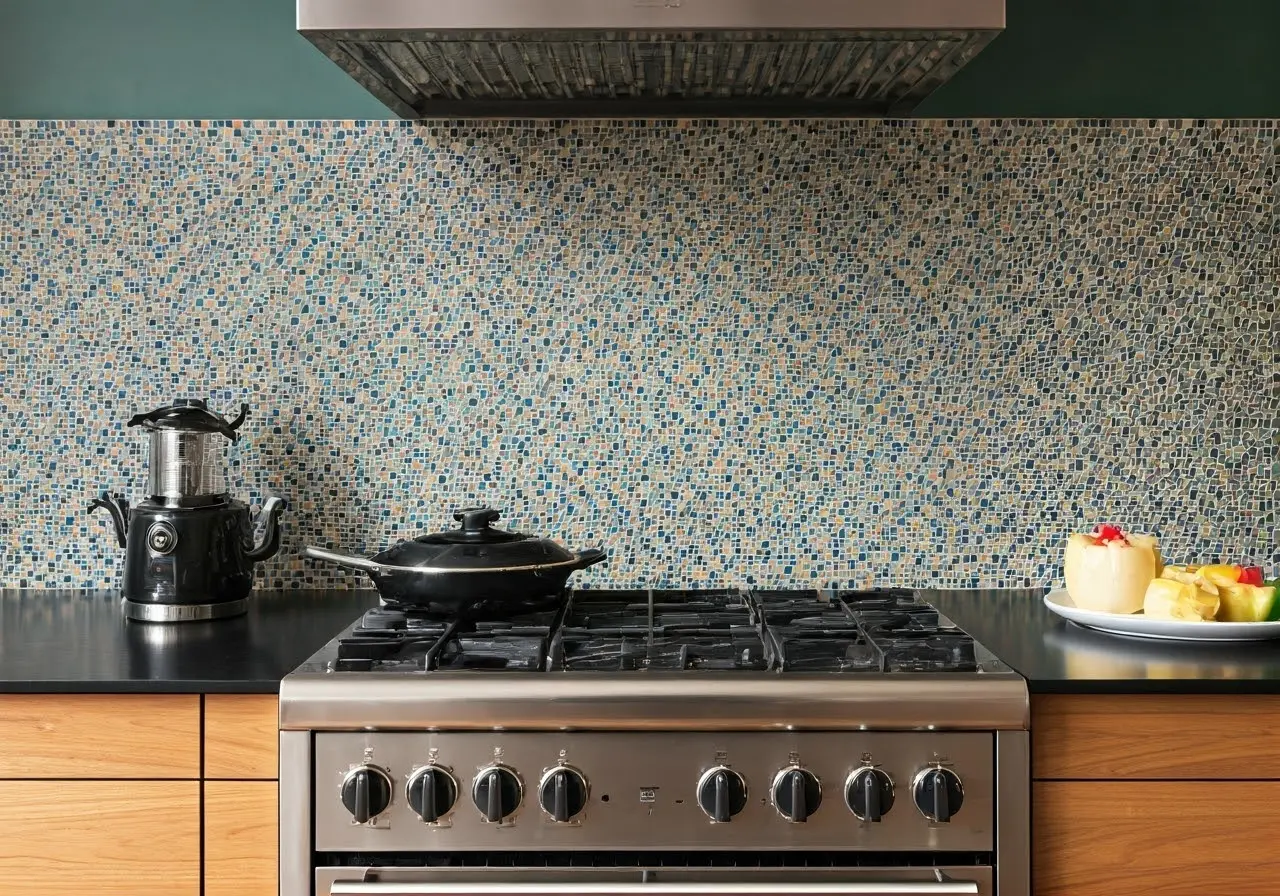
(269, 516)
(118, 507)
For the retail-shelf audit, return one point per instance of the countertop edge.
(965, 607)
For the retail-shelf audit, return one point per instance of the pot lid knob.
(475, 520)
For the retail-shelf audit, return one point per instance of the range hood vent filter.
(791, 71)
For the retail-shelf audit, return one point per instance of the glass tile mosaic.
(782, 353)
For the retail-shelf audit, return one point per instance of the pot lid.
(475, 544)
(190, 415)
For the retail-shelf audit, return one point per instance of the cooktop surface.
(799, 631)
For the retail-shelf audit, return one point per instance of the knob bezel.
(586, 792)
(852, 780)
(429, 769)
(520, 792)
(777, 781)
(372, 770)
(708, 775)
(918, 780)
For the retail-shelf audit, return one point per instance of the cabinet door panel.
(99, 736)
(1125, 736)
(241, 842)
(1172, 838)
(241, 736)
(108, 838)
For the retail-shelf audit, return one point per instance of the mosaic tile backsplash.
(789, 353)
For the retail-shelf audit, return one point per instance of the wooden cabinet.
(241, 818)
(1154, 736)
(1133, 795)
(108, 838)
(108, 795)
(99, 736)
(105, 794)
(241, 736)
(240, 838)
(1174, 838)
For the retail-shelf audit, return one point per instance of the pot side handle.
(361, 563)
(590, 557)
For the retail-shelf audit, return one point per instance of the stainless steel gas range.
(657, 742)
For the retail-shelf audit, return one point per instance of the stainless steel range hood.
(666, 58)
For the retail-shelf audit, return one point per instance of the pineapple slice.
(1183, 601)
(1246, 603)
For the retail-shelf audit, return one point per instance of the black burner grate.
(802, 631)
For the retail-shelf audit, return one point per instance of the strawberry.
(1106, 533)
(1251, 575)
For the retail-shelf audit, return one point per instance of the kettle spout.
(118, 507)
(269, 516)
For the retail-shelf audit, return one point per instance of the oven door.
(970, 880)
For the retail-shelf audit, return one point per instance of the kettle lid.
(190, 415)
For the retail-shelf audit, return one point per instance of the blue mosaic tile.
(789, 353)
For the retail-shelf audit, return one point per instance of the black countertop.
(80, 642)
(1059, 657)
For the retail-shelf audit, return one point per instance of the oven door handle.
(552, 888)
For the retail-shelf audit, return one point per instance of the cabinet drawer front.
(241, 838)
(241, 736)
(1136, 838)
(99, 736)
(100, 837)
(1153, 736)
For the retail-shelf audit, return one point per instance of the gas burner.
(583, 651)
(829, 654)
(502, 653)
(924, 652)
(878, 631)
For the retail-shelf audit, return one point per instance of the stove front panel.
(642, 790)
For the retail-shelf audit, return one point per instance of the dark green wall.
(243, 59)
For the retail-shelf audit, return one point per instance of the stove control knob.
(869, 794)
(938, 793)
(366, 792)
(796, 794)
(497, 793)
(562, 793)
(722, 793)
(431, 792)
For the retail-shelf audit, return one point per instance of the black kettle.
(189, 546)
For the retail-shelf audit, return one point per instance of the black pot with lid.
(472, 572)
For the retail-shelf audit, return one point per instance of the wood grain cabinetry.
(108, 838)
(1174, 838)
(241, 736)
(1134, 794)
(105, 794)
(241, 838)
(99, 736)
(1127, 736)
(1131, 795)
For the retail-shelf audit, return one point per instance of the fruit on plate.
(1190, 575)
(1228, 574)
(1183, 601)
(1242, 602)
(1219, 574)
(1109, 570)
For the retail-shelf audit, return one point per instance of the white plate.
(1138, 626)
